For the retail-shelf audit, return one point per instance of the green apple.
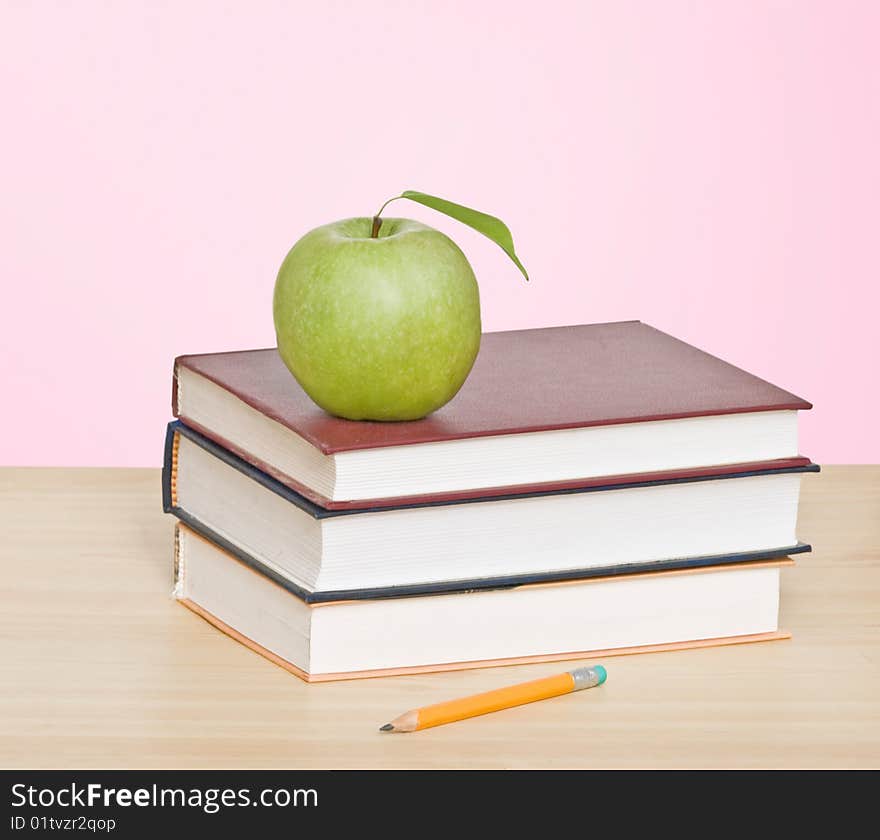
(377, 320)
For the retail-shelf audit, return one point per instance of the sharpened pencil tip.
(387, 728)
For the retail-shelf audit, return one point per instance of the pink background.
(712, 168)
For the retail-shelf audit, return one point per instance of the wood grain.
(100, 668)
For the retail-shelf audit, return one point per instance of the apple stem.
(377, 222)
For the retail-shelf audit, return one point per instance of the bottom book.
(532, 623)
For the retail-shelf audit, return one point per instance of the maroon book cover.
(523, 381)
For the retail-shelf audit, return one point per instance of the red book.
(543, 410)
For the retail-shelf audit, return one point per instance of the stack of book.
(591, 489)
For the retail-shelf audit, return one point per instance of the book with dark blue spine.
(419, 548)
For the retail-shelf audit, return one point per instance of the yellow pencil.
(493, 701)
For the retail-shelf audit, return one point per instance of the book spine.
(174, 386)
(169, 469)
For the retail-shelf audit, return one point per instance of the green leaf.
(489, 226)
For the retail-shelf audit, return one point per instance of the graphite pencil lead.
(387, 728)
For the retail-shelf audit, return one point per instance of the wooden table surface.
(100, 668)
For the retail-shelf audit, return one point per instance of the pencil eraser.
(603, 674)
